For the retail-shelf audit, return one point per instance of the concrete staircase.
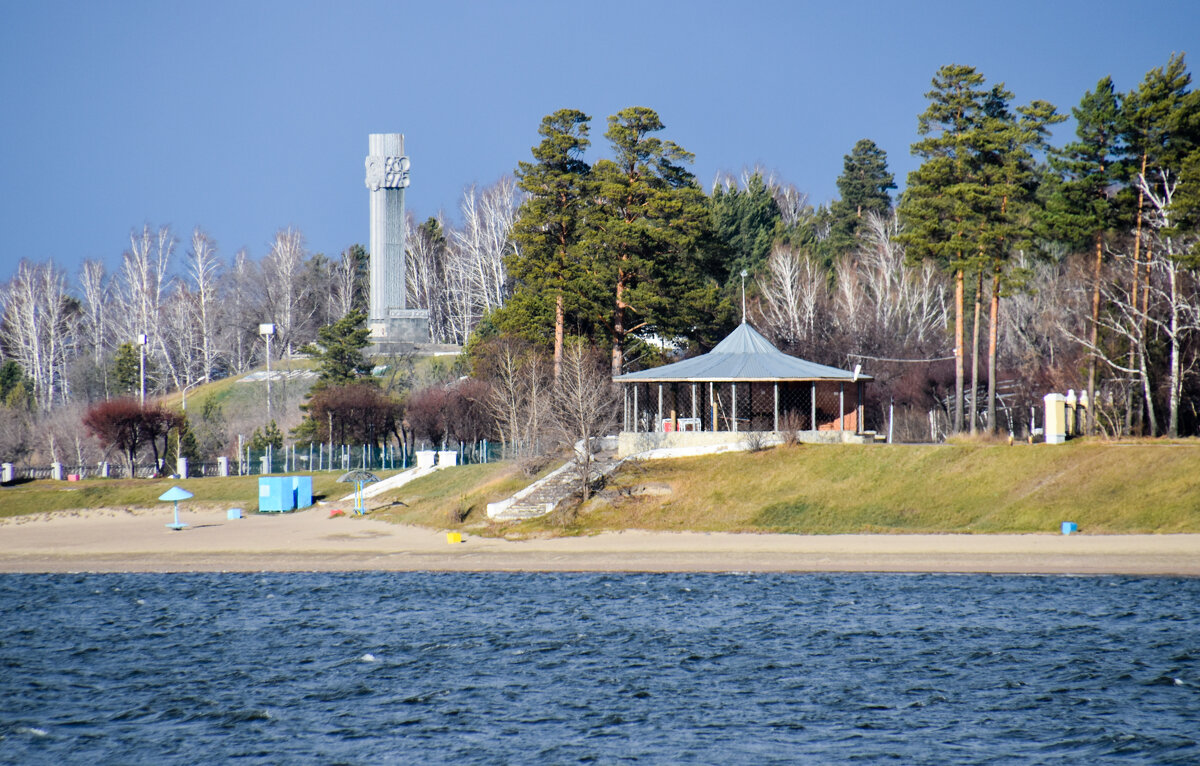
(544, 495)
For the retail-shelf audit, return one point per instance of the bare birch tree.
(283, 271)
(38, 331)
(140, 291)
(584, 406)
(203, 271)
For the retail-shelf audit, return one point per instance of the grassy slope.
(1143, 487)
(949, 488)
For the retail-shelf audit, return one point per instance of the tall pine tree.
(1083, 207)
(551, 264)
(941, 207)
(650, 235)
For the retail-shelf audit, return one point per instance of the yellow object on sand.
(454, 537)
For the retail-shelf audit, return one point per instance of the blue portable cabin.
(275, 494)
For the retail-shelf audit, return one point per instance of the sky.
(246, 117)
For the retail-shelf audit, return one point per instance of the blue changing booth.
(275, 494)
(301, 491)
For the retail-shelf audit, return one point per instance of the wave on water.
(515, 668)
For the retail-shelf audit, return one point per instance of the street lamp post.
(267, 330)
(142, 340)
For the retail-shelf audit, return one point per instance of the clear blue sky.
(245, 117)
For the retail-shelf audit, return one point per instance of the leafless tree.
(141, 288)
(203, 272)
(1173, 284)
(243, 309)
(475, 274)
(520, 399)
(584, 406)
(283, 277)
(425, 277)
(94, 329)
(792, 290)
(38, 330)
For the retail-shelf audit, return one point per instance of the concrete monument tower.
(393, 325)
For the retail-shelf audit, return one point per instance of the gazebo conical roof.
(744, 355)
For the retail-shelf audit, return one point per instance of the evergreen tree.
(1010, 146)
(1083, 206)
(550, 266)
(941, 207)
(651, 236)
(863, 186)
(746, 221)
(338, 350)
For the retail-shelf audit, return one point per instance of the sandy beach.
(139, 541)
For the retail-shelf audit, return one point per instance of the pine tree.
(1084, 206)
(650, 235)
(941, 207)
(338, 351)
(746, 222)
(550, 264)
(863, 185)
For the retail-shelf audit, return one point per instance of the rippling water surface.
(563, 668)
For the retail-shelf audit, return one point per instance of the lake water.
(598, 668)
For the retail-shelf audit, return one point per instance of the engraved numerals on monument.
(387, 172)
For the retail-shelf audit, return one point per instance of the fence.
(292, 458)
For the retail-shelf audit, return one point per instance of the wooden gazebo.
(744, 384)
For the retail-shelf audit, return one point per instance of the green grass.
(454, 499)
(38, 496)
(985, 488)
(1140, 487)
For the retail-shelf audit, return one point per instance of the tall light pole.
(142, 340)
(267, 330)
(744, 273)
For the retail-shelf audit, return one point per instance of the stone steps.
(544, 495)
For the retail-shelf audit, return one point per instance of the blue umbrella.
(175, 494)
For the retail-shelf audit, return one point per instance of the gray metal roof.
(743, 355)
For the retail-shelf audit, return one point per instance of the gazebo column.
(694, 417)
(812, 400)
(624, 407)
(712, 405)
(841, 406)
(658, 423)
(777, 405)
(858, 410)
(636, 414)
(733, 396)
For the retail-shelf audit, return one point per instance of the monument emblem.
(393, 325)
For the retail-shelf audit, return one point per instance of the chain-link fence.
(748, 406)
(291, 458)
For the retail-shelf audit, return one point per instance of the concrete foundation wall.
(631, 443)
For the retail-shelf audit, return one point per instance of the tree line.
(1011, 265)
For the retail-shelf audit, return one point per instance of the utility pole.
(267, 330)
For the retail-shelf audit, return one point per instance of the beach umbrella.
(358, 478)
(175, 494)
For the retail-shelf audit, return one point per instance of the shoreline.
(108, 540)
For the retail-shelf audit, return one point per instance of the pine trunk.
(975, 353)
(993, 335)
(958, 351)
(618, 329)
(559, 322)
